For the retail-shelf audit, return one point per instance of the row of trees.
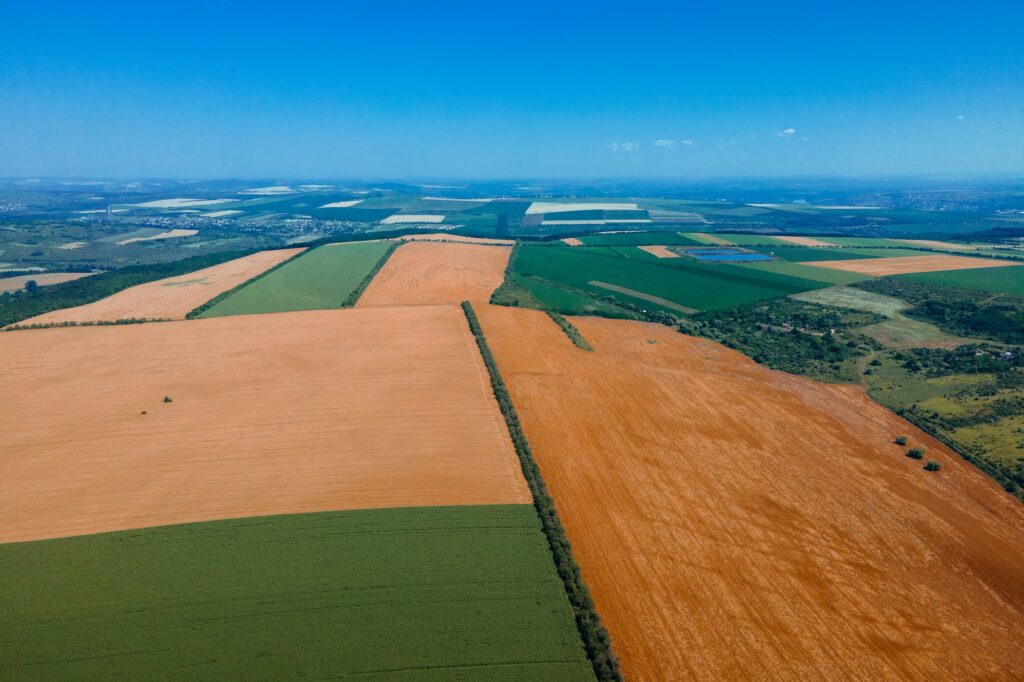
(595, 638)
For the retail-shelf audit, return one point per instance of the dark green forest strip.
(570, 330)
(22, 305)
(595, 638)
(421, 594)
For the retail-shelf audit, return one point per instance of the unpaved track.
(170, 298)
(423, 273)
(738, 523)
(880, 267)
(271, 414)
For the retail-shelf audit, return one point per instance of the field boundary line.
(199, 310)
(356, 293)
(593, 634)
(570, 330)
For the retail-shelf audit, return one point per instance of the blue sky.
(498, 90)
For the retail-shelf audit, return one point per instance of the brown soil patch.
(738, 523)
(444, 236)
(572, 241)
(42, 279)
(170, 298)
(804, 241)
(421, 273)
(271, 414)
(659, 251)
(881, 267)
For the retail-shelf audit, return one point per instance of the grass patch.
(429, 593)
(324, 277)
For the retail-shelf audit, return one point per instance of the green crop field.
(752, 239)
(862, 241)
(433, 593)
(321, 278)
(638, 239)
(682, 281)
(1003, 280)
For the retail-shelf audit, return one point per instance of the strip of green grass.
(318, 279)
(806, 254)
(433, 593)
(1003, 280)
(752, 239)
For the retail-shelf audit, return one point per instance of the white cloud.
(624, 146)
(960, 117)
(687, 141)
(788, 132)
(664, 143)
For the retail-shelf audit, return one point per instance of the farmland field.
(637, 239)
(269, 414)
(1001, 280)
(805, 271)
(421, 273)
(321, 278)
(737, 523)
(682, 281)
(804, 254)
(42, 279)
(899, 265)
(170, 298)
(436, 593)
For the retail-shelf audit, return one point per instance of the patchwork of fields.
(170, 298)
(321, 278)
(734, 522)
(335, 493)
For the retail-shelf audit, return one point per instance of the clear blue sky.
(526, 89)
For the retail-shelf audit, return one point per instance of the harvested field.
(447, 237)
(659, 251)
(572, 241)
(170, 298)
(901, 265)
(932, 244)
(738, 523)
(399, 218)
(271, 414)
(422, 273)
(42, 279)
(804, 241)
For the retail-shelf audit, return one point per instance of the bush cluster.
(595, 638)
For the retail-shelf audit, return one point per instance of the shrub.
(900, 440)
(932, 465)
(915, 453)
